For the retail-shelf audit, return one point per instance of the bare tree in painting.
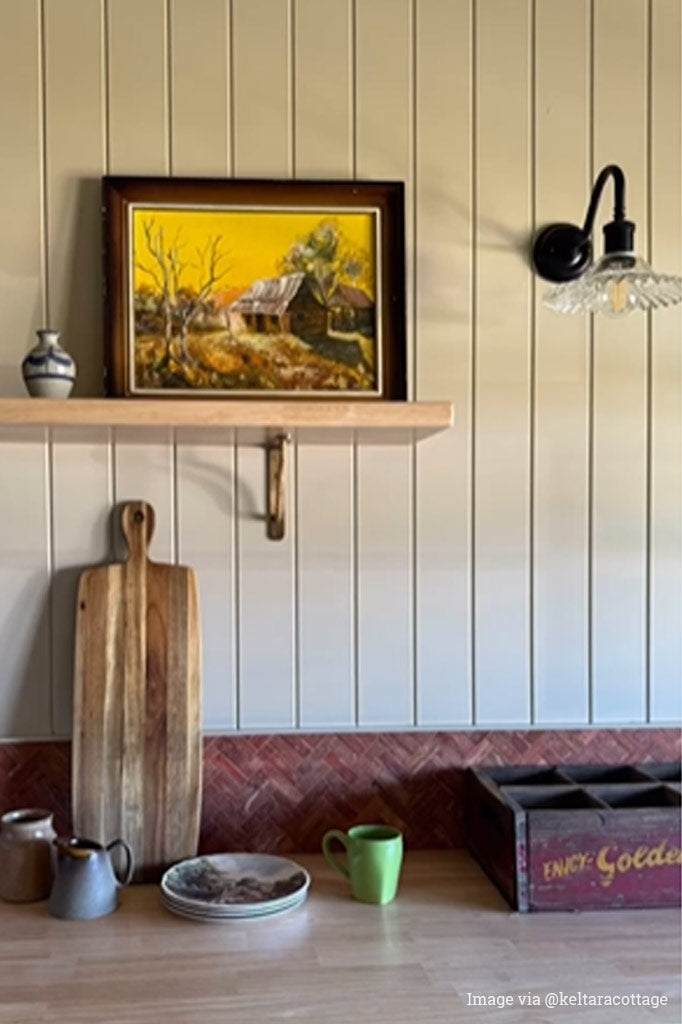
(180, 304)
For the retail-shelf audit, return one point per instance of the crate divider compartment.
(549, 798)
(668, 772)
(527, 775)
(633, 797)
(595, 774)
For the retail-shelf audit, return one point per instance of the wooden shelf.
(253, 420)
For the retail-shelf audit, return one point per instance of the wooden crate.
(578, 837)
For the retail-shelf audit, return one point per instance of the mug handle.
(327, 840)
(130, 860)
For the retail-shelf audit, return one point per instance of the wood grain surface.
(136, 755)
(447, 941)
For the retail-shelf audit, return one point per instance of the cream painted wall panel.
(443, 281)
(75, 157)
(502, 363)
(562, 382)
(82, 527)
(324, 474)
(325, 549)
(199, 49)
(323, 89)
(206, 503)
(21, 278)
(25, 564)
(146, 472)
(620, 382)
(266, 596)
(137, 87)
(261, 88)
(666, 367)
(385, 614)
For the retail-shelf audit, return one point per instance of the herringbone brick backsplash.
(281, 793)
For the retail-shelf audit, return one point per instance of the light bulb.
(617, 298)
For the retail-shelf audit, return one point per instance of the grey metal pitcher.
(85, 883)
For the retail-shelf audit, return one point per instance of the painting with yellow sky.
(253, 288)
(262, 299)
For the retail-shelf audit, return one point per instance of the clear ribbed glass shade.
(616, 285)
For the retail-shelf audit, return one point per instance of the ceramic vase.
(26, 855)
(48, 370)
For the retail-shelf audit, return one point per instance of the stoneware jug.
(85, 883)
(26, 854)
(48, 370)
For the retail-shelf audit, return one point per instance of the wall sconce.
(619, 282)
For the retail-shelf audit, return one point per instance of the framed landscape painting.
(254, 288)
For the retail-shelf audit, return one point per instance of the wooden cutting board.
(136, 751)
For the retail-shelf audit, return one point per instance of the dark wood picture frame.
(187, 314)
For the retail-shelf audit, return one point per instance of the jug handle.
(130, 866)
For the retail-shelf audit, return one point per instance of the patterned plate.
(240, 915)
(229, 883)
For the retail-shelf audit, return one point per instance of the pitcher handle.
(327, 840)
(130, 861)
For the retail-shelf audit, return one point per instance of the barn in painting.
(290, 305)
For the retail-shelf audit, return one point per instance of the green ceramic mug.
(374, 856)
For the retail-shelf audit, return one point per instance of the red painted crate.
(579, 837)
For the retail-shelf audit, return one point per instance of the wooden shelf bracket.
(276, 489)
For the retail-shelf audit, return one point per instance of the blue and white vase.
(48, 370)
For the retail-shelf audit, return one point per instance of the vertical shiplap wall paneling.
(205, 482)
(619, 577)
(385, 613)
(665, 189)
(25, 697)
(324, 473)
(81, 531)
(443, 281)
(206, 498)
(137, 87)
(502, 362)
(199, 116)
(139, 143)
(561, 471)
(144, 470)
(25, 565)
(261, 82)
(21, 283)
(74, 161)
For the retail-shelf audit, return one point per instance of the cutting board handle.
(137, 523)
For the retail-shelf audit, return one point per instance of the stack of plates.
(230, 886)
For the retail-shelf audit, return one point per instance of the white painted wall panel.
(137, 101)
(385, 615)
(25, 565)
(81, 536)
(561, 412)
(146, 472)
(200, 123)
(442, 285)
(74, 162)
(266, 595)
(21, 275)
(502, 356)
(206, 502)
(665, 498)
(620, 383)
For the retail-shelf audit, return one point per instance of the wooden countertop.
(420, 960)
